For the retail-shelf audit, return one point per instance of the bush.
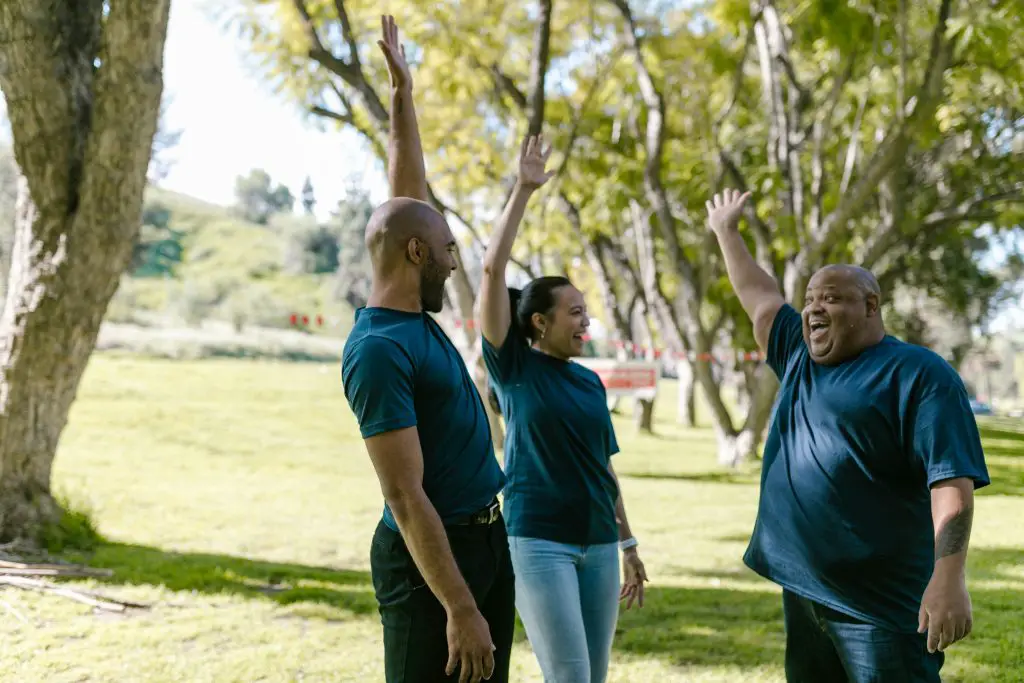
(255, 306)
(311, 249)
(74, 530)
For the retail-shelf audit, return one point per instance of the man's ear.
(873, 303)
(415, 251)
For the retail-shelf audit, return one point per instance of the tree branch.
(350, 72)
(539, 68)
(317, 51)
(654, 104)
(974, 210)
(894, 145)
(506, 84)
(348, 36)
(737, 84)
(822, 129)
(345, 118)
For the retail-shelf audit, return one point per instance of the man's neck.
(386, 295)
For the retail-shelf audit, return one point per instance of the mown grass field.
(237, 499)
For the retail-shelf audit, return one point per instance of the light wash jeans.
(568, 599)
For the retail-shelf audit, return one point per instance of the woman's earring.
(542, 333)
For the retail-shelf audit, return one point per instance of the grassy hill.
(225, 275)
(229, 268)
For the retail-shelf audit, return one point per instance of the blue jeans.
(825, 645)
(568, 599)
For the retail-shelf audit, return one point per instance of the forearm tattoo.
(954, 534)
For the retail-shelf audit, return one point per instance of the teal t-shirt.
(558, 444)
(401, 370)
(845, 516)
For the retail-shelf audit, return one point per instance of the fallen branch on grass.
(8, 568)
(85, 597)
(13, 610)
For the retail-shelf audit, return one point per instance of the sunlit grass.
(237, 498)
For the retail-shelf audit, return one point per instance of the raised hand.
(394, 53)
(724, 210)
(532, 159)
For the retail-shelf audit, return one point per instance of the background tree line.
(882, 133)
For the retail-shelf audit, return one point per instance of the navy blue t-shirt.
(401, 370)
(559, 440)
(844, 517)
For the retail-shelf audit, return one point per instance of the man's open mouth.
(819, 329)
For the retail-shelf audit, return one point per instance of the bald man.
(440, 563)
(867, 481)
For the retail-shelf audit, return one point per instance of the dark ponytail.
(536, 297)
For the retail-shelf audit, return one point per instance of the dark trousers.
(415, 636)
(826, 646)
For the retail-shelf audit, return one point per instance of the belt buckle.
(493, 511)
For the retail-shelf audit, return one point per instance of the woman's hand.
(532, 160)
(633, 577)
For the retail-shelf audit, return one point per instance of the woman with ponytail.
(562, 505)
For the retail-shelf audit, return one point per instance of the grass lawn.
(237, 498)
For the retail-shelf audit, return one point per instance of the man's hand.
(469, 646)
(945, 610)
(634, 575)
(394, 54)
(725, 209)
(532, 159)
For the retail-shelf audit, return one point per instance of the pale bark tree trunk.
(643, 409)
(82, 138)
(687, 415)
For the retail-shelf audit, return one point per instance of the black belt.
(486, 516)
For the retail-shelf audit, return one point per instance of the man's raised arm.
(757, 290)
(407, 173)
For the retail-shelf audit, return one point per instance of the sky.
(232, 123)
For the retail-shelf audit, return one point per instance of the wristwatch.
(630, 542)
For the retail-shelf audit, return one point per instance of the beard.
(432, 282)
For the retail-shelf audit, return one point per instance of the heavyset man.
(868, 477)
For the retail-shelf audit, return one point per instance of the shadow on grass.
(723, 477)
(1005, 430)
(1007, 480)
(744, 628)
(286, 584)
(680, 625)
(705, 627)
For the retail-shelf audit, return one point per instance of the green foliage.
(74, 530)
(857, 146)
(311, 248)
(158, 248)
(349, 222)
(258, 198)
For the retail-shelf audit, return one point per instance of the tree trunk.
(687, 415)
(82, 138)
(643, 415)
(737, 447)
